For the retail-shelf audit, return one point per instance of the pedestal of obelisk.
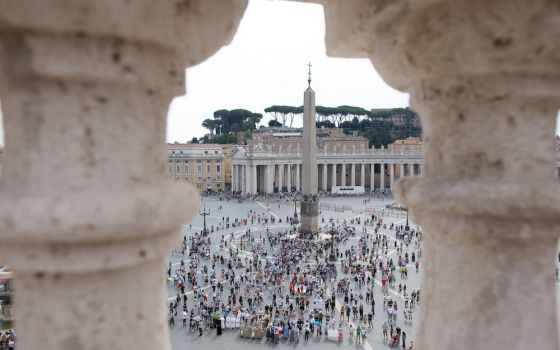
(309, 201)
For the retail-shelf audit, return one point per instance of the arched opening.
(87, 218)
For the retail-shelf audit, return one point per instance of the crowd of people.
(292, 288)
(7, 340)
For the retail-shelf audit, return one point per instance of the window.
(218, 178)
(199, 186)
(178, 168)
(208, 168)
(198, 168)
(218, 168)
(218, 185)
(215, 152)
(208, 178)
(170, 170)
(178, 178)
(205, 152)
(187, 178)
(199, 179)
(199, 161)
(187, 170)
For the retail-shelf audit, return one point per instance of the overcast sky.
(266, 64)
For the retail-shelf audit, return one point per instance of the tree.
(274, 122)
(235, 120)
(194, 140)
(284, 113)
(325, 124)
(210, 124)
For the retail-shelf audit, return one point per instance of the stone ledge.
(88, 257)
(96, 217)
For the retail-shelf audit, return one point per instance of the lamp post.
(406, 228)
(332, 256)
(204, 213)
(295, 200)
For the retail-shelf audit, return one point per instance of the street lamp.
(406, 228)
(295, 200)
(204, 213)
(332, 256)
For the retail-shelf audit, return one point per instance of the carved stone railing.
(87, 216)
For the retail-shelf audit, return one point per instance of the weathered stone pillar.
(485, 78)
(343, 174)
(353, 174)
(87, 216)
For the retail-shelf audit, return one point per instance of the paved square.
(258, 274)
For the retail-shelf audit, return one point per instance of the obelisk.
(309, 202)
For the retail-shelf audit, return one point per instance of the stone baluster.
(87, 215)
(485, 78)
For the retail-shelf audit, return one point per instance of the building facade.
(271, 162)
(203, 165)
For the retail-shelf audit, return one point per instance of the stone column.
(270, 178)
(234, 178)
(297, 179)
(240, 178)
(412, 169)
(333, 175)
(401, 171)
(362, 175)
(343, 175)
(289, 177)
(353, 174)
(253, 169)
(488, 226)
(325, 175)
(392, 176)
(280, 177)
(382, 176)
(85, 88)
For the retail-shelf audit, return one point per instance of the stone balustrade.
(87, 216)
(485, 78)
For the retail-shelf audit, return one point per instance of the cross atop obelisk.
(309, 75)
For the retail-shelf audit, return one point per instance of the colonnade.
(286, 177)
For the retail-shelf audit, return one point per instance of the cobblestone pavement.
(181, 338)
